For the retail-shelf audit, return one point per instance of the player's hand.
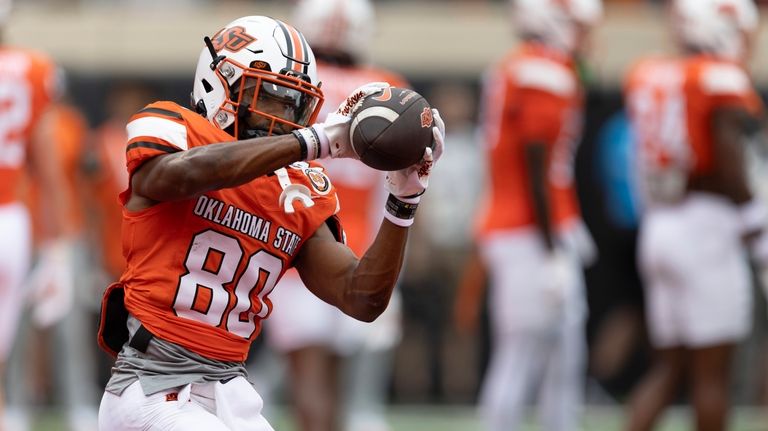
(332, 135)
(560, 279)
(51, 283)
(412, 181)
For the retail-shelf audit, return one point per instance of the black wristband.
(302, 144)
(400, 209)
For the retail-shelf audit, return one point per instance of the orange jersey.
(359, 187)
(531, 96)
(713, 84)
(655, 103)
(70, 129)
(670, 102)
(199, 270)
(111, 178)
(26, 88)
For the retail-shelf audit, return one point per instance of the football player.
(62, 317)
(530, 239)
(27, 89)
(340, 33)
(222, 200)
(692, 115)
(107, 176)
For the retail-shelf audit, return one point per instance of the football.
(391, 129)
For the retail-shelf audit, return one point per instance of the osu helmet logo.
(232, 39)
(426, 118)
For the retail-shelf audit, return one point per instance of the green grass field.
(462, 418)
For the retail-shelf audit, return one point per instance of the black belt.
(140, 340)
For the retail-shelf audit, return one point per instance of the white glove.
(407, 185)
(559, 279)
(51, 283)
(412, 181)
(331, 137)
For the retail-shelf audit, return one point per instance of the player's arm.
(359, 288)
(542, 115)
(731, 128)
(536, 155)
(186, 174)
(45, 163)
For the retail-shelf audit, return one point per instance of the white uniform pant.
(538, 350)
(214, 406)
(15, 252)
(697, 280)
(300, 319)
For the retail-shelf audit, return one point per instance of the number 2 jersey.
(27, 86)
(199, 270)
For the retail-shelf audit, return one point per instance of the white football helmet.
(344, 26)
(257, 58)
(720, 27)
(557, 23)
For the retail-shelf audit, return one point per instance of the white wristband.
(323, 141)
(313, 141)
(401, 211)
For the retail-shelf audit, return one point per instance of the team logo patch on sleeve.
(320, 182)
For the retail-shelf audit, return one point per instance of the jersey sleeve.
(152, 132)
(728, 85)
(45, 83)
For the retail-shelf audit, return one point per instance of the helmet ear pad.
(199, 107)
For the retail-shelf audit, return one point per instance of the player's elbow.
(369, 307)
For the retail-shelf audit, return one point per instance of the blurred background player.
(27, 88)
(693, 115)
(338, 367)
(531, 241)
(55, 344)
(107, 176)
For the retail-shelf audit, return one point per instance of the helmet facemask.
(265, 103)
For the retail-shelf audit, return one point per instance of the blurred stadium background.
(442, 47)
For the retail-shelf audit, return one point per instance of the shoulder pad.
(545, 75)
(723, 78)
(159, 122)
